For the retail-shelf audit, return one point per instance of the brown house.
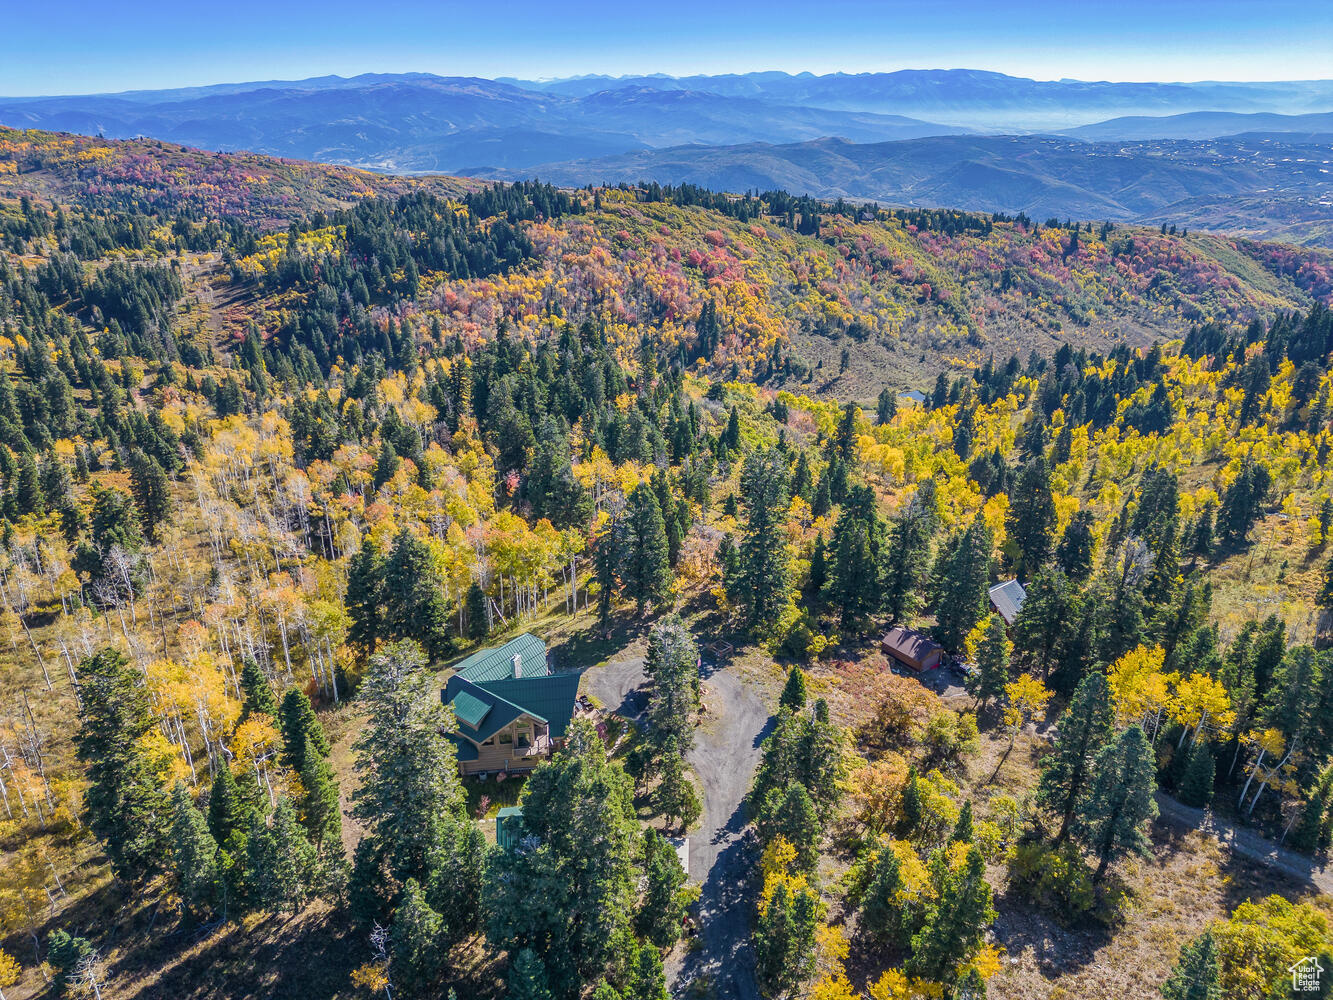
(911, 649)
(511, 710)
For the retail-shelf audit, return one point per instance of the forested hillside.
(278, 442)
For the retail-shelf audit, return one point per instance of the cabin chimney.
(518, 664)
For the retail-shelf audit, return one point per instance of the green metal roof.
(509, 826)
(486, 696)
(550, 698)
(500, 712)
(487, 665)
(470, 709)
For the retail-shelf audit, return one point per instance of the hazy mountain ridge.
(1044, 176)
(965, 92)
(434, 123)
(1202, 125)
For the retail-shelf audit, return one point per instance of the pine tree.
(672, 666)
(299, 726)
(1043, 622)
(674, 798)
(954, 927)
(818, 566)
(960, 579)
(909, 819)
(648, 981)
(1074, 553)
(1197, 973)
(731, 438)
(962, 830)
(256, 692)
(665, 900)
(907, 554)
(27, 491)
(845, 435)
(645, 568)
(1083, 729)
(1031, 517)
(790, 813)
(125, 804)
(784, 939)
(1196, 785)
(195, 865)
(762, 583)
(476, 612)
(886, 407)
(321, 814)
(151, 487)
(1306, 835)
(414, 944)
(802, 479)
(579, 806)
(365, 582)
(414, 604)
(113, 524)
(410, 798)
(66, 953)
(527, 977)
(793, 692)
(386, 465)
(992, 672)
(853, 584)
(552, 489)
(823, 501)
(228, 813)
(1111, 820)
(883, 917)
(281, 867)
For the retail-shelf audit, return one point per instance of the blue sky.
(81, 46)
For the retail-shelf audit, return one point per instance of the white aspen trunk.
(1253, 771)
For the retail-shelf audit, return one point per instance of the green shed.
(509, 826)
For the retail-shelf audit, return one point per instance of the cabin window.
(506, 737)
(489, 743)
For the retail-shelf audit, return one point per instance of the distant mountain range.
(419, 123)
(1202, 125)
(1284, 182)
(977, 98)
(1253, 155)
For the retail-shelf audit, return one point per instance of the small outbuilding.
(509, 827)
(911, 649)
(1007, 597)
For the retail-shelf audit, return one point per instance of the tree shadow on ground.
(311, 955)
(723, 957)
(1057, 947)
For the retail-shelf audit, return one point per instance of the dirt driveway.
(726, 751)
(1247, 843)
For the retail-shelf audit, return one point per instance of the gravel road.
(725, 754)
(1247, 843)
